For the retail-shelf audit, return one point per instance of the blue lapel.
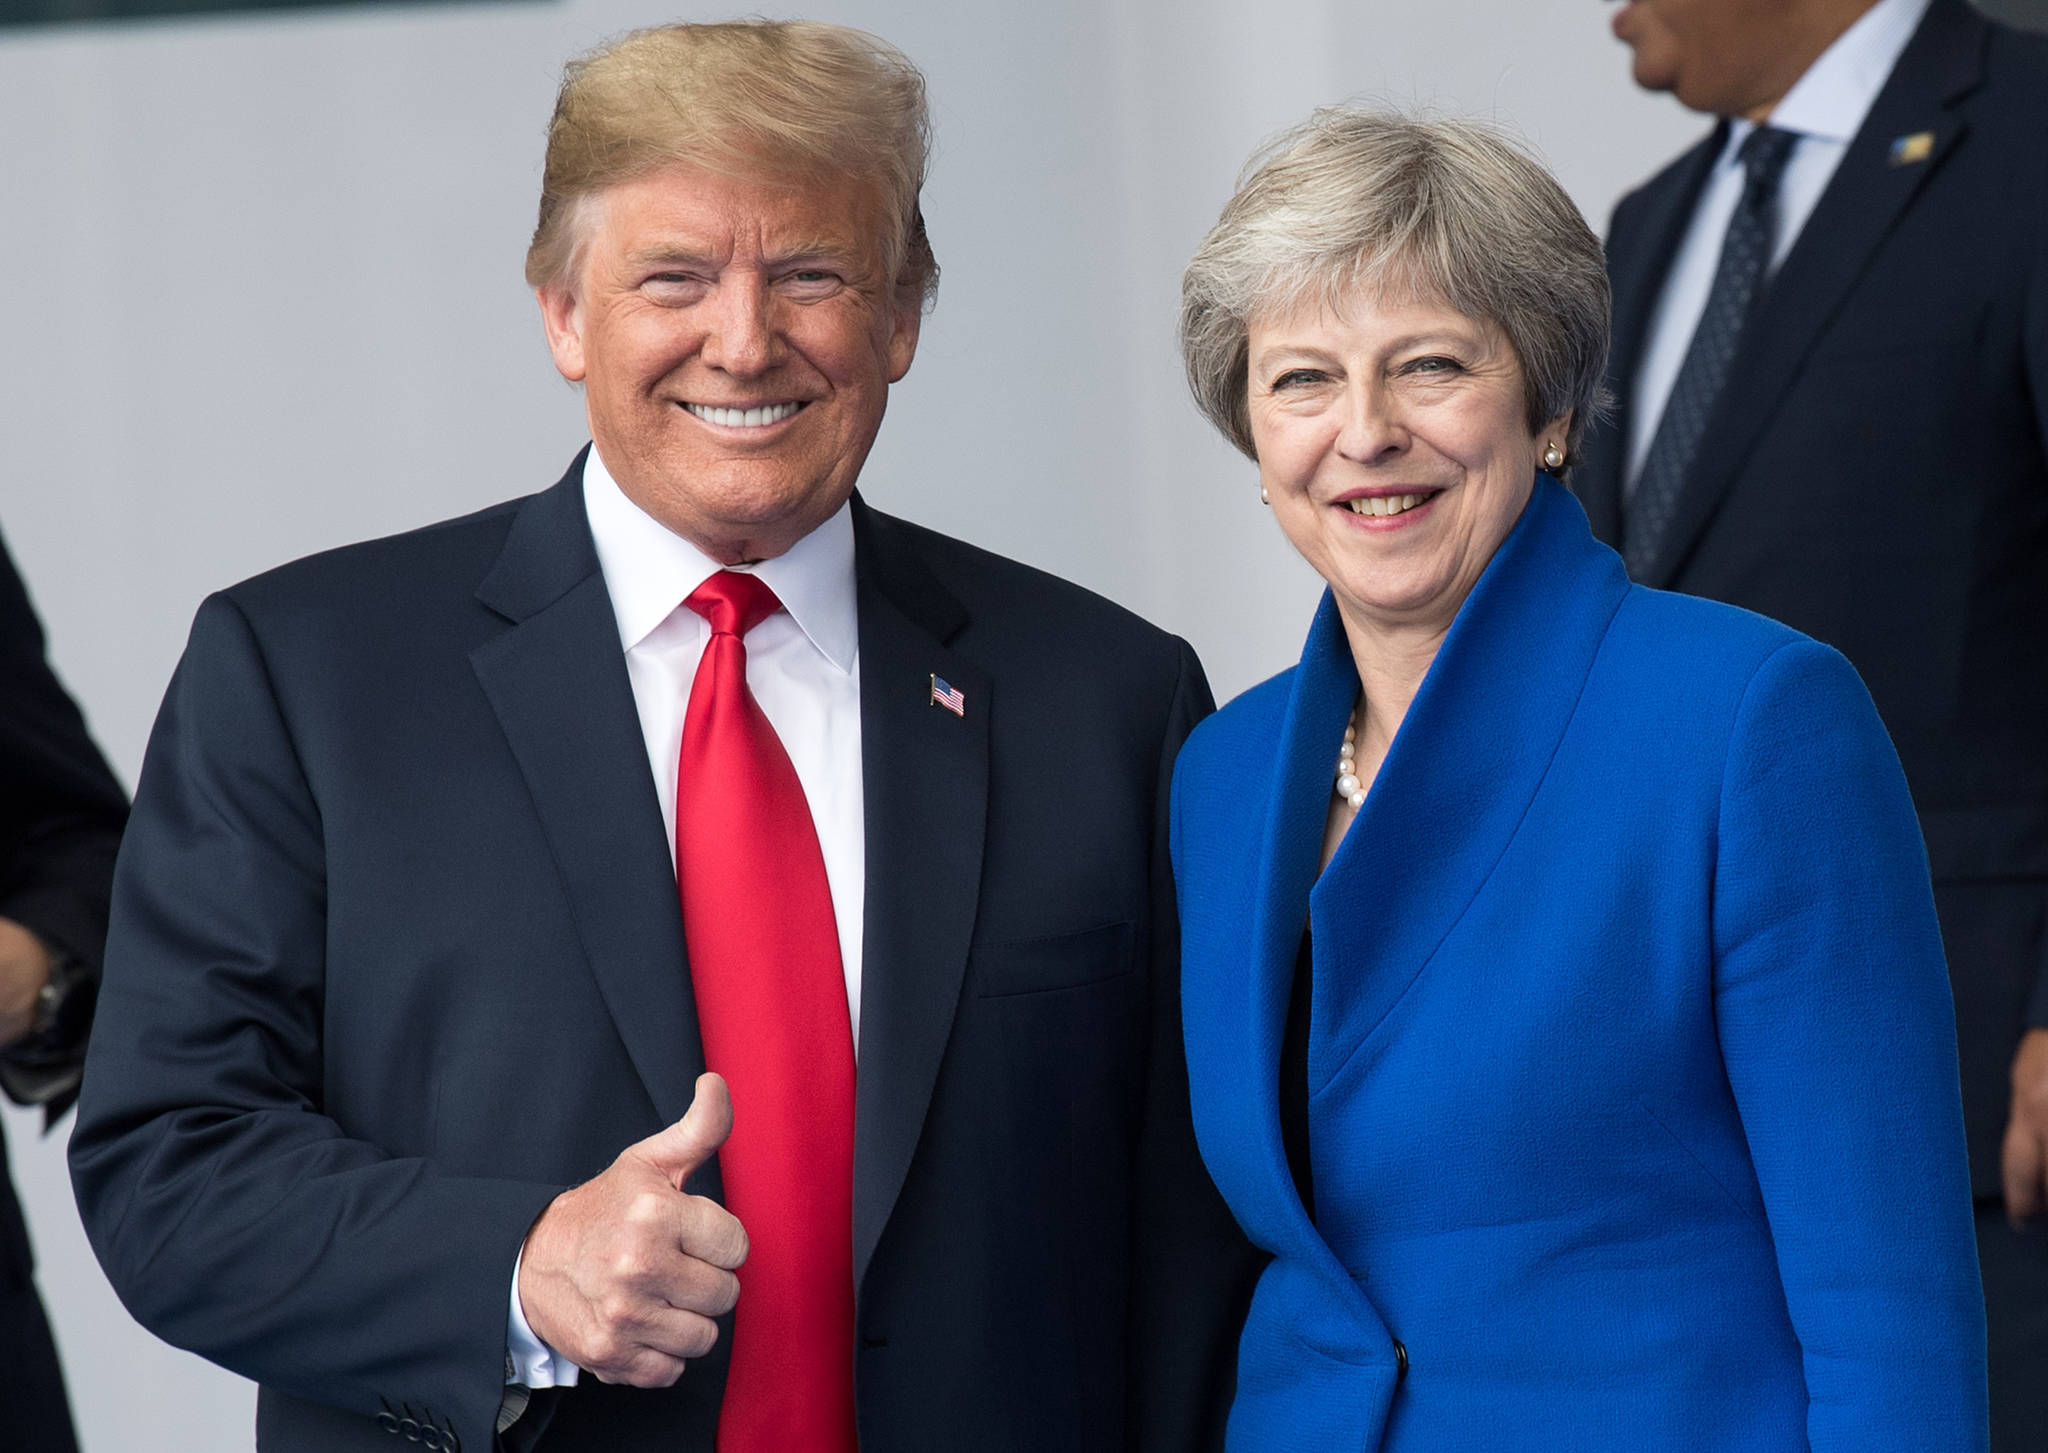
(1455, 785)
(1324, 687)
(1319, 1365)
(1462, 771)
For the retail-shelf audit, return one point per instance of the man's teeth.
(1387, 504)
(744, 418)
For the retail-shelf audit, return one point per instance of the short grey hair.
(1359, 197)
(795, 98)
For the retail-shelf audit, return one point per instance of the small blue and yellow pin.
(1907, 150)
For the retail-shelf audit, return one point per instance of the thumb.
(677, 1151)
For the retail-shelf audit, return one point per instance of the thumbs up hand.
(624, 1274)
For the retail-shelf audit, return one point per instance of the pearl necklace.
(1348, 786)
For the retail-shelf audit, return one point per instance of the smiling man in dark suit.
(1831, 363)
(461, 857)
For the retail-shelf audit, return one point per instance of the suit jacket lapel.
(1637, 266)
(1323, 691)
(1462, 770)
(557, 681)
(1857, 212)
(925, 786)
(1466, 763)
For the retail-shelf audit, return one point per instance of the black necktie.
(1745, 256)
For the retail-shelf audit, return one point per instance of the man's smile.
(755, 417)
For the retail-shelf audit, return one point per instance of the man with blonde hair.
(681, 960)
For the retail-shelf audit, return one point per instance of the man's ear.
(562, 315)
(903, 332)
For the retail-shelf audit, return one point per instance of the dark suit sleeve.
(1195, 1269)
(1832, 1004)
(234, 1215)
(61, 813)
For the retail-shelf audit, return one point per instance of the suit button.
(388, 1421)
(410, 1428)
(1400, 1360)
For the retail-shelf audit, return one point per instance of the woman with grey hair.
(1583, 1055)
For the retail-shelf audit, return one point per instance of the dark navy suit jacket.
(397, 956)
(1631, 1069)
(1876, 475)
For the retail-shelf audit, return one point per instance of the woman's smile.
(1392, 508)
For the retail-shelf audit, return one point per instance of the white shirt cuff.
(529, 1361)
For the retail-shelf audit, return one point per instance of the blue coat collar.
(1455, 785)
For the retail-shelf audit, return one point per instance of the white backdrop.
(264, 291)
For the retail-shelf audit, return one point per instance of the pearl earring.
(1264, 498)
(1552, 456)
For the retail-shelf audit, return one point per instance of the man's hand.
(24, 969)
(623, 1274)
(2026, 1131)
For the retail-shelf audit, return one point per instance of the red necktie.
(771, 999)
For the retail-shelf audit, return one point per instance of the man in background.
(459, 858)
(60, 821)
(1831, 368)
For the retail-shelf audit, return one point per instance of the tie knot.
(1764, 153)
(733, 603)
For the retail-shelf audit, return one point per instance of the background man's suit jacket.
(1874, 475)
(60, 821)
(397, 956)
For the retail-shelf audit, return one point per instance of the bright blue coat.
(1633, 1102)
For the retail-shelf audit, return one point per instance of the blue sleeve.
(1837, 1031)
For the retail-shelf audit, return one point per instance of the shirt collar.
(1837, 91)
(650, 570)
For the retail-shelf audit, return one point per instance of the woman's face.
(1395, 449)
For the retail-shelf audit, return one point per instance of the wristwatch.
(64, 1003)
(59, 1004)
(42, 1066)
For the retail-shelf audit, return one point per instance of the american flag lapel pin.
(951, 697)
(1907, 150)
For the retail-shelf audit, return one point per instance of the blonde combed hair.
(797, 99)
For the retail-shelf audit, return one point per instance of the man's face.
(736, 340)
(1727, 57)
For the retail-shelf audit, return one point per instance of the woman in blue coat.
(1565, 1009)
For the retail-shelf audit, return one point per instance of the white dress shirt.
(803, 666)
(1825, 108)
